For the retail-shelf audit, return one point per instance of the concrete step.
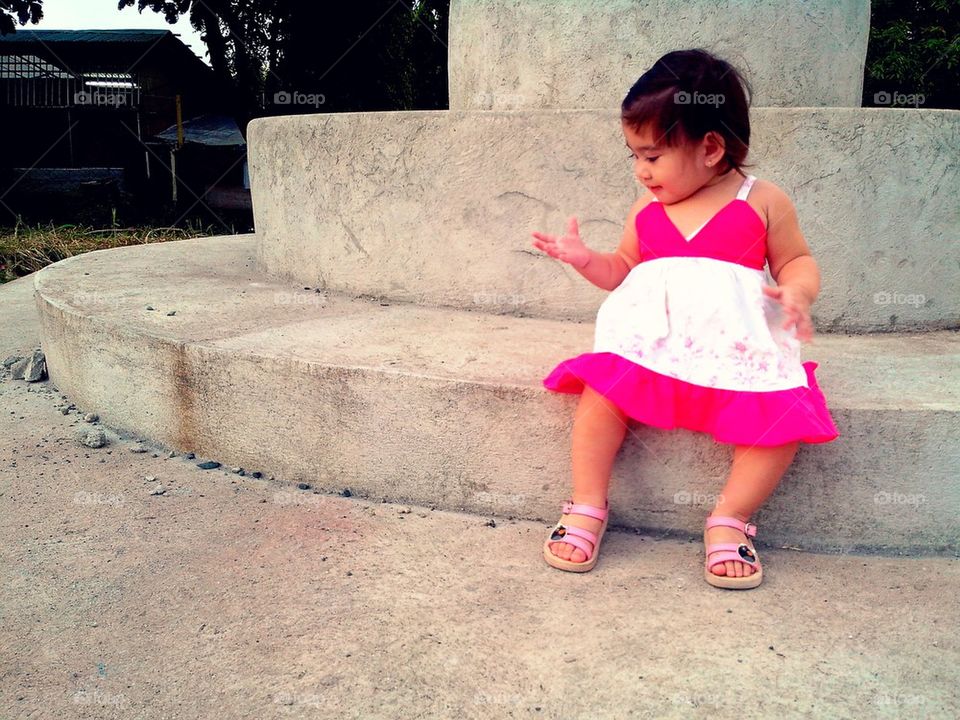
(445, 407)
(436, 208)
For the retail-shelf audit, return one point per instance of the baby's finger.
(573, 227)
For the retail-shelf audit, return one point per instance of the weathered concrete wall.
(437, 207)
(521, 54)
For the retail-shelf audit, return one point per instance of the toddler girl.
(691, 336)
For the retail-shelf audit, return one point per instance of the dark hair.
(688, 93)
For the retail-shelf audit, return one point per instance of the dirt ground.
(234, 597)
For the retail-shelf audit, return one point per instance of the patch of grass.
(24, 249)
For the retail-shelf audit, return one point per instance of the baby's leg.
(754, 474)
(599, 427)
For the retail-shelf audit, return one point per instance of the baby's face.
(671, 173)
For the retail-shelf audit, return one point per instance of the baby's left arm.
(791, 264)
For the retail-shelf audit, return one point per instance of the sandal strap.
(569, 508)
(725, 555)
(729, 551)
(747, 528)
(580, 532)
(573, 536)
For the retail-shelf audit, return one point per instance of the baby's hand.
(569, 248)
(796, 307)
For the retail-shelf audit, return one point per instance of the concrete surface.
(229, 597)
(506, 54)
(436, 208)
(444, 407)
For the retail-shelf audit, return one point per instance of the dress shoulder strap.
(745, 187)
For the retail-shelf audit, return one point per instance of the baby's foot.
(566, 551)
(724, 534)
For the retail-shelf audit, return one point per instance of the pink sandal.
(740, 552)
(578, 537)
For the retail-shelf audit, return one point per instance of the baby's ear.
(714, 146)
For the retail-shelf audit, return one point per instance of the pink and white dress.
(689, 340)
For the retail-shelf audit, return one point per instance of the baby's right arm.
(605, 270)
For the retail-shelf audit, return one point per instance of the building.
(85, 108)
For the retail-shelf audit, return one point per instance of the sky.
(103, 15)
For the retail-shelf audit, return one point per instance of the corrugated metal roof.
(58, 36)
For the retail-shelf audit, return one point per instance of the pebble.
(150, 478)
(171, 454)
(31, 369)
(491, 523)
(138, 449)
(303, 486)
(92, 437)
(158, 490)
(346, 492)
(91, 417)
(150, 307)
(172, 312)
(208, 465)
(189, 456)
(257, 474)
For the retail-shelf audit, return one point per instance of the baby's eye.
(653, 159)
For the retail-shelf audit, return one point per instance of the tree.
(23, 10)
(370, 55)
(913, 54)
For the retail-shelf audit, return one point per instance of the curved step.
(445, 407)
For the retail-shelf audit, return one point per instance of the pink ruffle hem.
(762, 419)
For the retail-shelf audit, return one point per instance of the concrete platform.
(445, 408)
(508, 55)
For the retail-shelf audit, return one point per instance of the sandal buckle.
(749, 529)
